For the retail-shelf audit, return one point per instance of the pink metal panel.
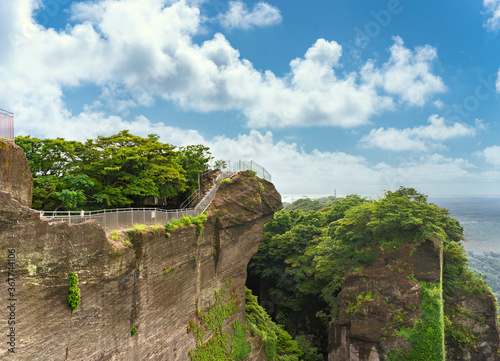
(6, 125)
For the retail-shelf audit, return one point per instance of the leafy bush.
(198, 221)
(278, 343)
(115, 235)
(74, 292)
(220, 346)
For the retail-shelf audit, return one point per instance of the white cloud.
(420, 138)
(407, 74)
(493, 7)
(438, 103)
(492, 155)
(320, 172)
(238, 16)
(498, 81)
(138, 51)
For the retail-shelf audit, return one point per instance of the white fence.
(126, 218)
(243, 165)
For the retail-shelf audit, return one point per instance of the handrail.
(242, 165)
(190, 199)
(126, 218)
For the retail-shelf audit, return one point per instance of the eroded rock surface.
(15, 175)
(124, 285)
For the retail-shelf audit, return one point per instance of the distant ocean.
(480, 218)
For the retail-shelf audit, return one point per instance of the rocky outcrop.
(379, 298)
(381, 302)
(150, 284)
(15, 175)
(473, 320)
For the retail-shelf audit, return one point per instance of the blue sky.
(357, 96)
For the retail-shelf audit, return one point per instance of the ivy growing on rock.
(74, 292)
(220, 346)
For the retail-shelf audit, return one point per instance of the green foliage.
(115, 235)
(426, 337)
(167, 271)
(74, 292)
(457, 330)
(360, 300)
(226, 180)
(198, 221)
(139, 228)
(303, 257)
(194, 160)
(133, 331)
(278, 343)
(488, 266)
(308, 352)
(240, 348)
(217, 347)
(157, 229)
(110, 172)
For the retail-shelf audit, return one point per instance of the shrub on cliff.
(74, 292)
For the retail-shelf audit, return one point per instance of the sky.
(345, 96)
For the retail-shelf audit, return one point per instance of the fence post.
(104, 221)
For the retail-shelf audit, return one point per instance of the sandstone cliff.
(381, 307)
(15, 176)
(122, 285)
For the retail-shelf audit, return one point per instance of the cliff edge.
(138, 292)
(15, 175)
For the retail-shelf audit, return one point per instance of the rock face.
(477, 316)
(15, 175)
(386, 296)
(372, 297)
(123, 285)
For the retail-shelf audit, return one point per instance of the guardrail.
(126, 218)
(243, 165)
(7, 125)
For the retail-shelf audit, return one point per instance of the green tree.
(126, 168)
(195, 160)
(107, 172)
(50, 156)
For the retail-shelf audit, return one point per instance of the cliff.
(150, 283)
(15, 175)
(394, 309)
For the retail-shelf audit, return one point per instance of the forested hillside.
(110, 172)
(304, 256)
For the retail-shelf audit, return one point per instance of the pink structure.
(6, 125)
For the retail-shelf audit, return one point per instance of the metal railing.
(125, 218)
(7, 125)
(191, 199)
(242, 165)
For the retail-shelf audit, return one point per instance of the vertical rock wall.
(386, 297)
(15, 175)
(122, 285)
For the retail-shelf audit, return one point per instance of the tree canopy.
(110, 172)
(304, 255)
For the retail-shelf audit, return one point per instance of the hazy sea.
(480, 218)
